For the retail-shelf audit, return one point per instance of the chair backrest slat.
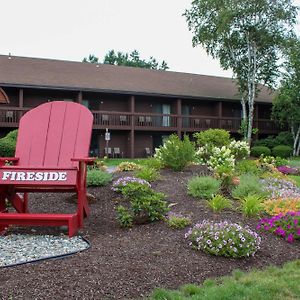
(53, 133)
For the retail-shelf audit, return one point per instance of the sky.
(73, 29)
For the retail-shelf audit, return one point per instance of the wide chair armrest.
(87, 160)
(4, 160)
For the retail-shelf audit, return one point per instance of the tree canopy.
(131, 60)
(246, 36)
(286, 106)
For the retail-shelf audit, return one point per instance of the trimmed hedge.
(282, 151)
(8, 144)
(257, 151)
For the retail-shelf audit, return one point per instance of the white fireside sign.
(34, 176)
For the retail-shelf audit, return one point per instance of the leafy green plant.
(247, 166)
(224, 239)
(212, 138)
(8, 144)
(177, 220)
(218, 202)
(153, 163)
(251, 205)
(249, 185)
(124, 216)
(203, 187)
(283, 138)
(175, 153)
(141, 202)
(98, 178)
(149, 174)
(127, 166)
(257, 151)
(282, 151)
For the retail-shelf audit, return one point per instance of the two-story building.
(139, 107)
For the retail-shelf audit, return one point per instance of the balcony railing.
(10, 117)
(109, 119)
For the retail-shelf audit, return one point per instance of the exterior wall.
(231, 109)
(147, 104)
(202, 108)
(142, 140)
(264, 111)
(33, 98)
(107, 102)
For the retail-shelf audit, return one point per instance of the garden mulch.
(130, 263)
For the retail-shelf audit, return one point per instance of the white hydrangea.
(240, 149)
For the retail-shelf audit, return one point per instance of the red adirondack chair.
(51, 156)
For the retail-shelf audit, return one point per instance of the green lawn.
(296, 179)
(115, 161)
(294, 162)
(271, 284)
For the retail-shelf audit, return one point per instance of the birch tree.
(246, 36)
(286, 106)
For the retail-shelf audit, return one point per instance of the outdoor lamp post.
(107, 139)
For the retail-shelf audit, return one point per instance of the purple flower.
(287, 170)
(290, 238)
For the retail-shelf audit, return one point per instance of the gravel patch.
(24, 248)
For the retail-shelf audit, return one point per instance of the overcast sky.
(72, 29)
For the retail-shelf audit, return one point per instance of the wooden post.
(220, 112)
(179, 117)
(132, 110)
(79, 97)
(21, 98)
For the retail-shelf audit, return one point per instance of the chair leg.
(3, 210)
(25, 203)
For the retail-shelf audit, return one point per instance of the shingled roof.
(48, 73)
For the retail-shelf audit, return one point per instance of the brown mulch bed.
(130, 263)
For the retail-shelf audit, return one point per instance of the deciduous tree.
(131, 60)
(286, 106)
(246, 36)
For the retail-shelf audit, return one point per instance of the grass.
(271, 284)
(294, 162)
(112, 162)
(296, 179)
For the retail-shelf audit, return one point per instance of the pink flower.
(290, 238)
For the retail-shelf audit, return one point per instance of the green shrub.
(153, 163)
(223, 239)
(257, 151)
(148, 174)
(247, 167)
(8, 144)
(203, 187)
(98, 178)
(212, 138)
(283, 138)
(249, 185)
(218, 203)
(124, 216)
(141, 204)
(175, 153)
(13, 135)
(282, 151)
(251, 205)
(177, 221)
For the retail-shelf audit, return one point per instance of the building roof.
(49, 73)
